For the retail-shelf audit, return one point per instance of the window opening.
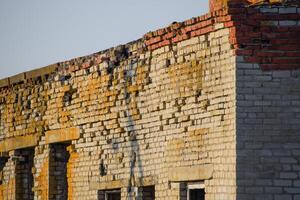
(196, 191)
(24, 178)
(109, 195)
(147, 193)
(58, 180)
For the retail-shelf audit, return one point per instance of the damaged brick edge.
(174, 33)
(19, 142)
(67, 67)
(52, 136)
(218, 18)
(22, 77)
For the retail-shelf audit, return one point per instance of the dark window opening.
(3, 161)
(24, 179)
(147, 193)
(196, 194)
(58, 180)
(109, 195)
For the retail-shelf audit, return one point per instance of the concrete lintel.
(41, 72)
(4, 82)
(19, 142)
(4, 155)
(17, 78)
(146, 181)
(108, 185)
(62, 135)
(202, 172)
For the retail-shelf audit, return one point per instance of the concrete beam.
(62, 135)
(146, 181)
(202, 172)
(4, 82)
(19, 142)
(108, 185)
(41, 72)
(17, 78)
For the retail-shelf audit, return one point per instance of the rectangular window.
(58, 180)
(196, 191)
(24, 179)
(109, 195)
(147, 193)
(3, 161)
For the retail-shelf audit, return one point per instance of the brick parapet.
(263, 33)
(169, 105)
(176, 32)
(267, 35)
(169, 108)
(66, 67)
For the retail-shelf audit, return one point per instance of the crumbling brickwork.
(201, 106)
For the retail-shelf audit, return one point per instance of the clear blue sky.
(36, 33)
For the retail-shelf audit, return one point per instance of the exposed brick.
(218, 94)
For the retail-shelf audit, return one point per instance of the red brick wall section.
(268, 36)
(185, 30)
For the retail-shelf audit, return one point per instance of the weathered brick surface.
(206, 94)
(267, 132)
(267, 103)
(140, 113)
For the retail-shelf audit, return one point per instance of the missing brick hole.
(36, 80)
(68, 96)
(110, 68)
(28, 105)
(127, 95)
(136, 93)
(47, 76)
(16, 98)
(198, 92)
(87, 71)
(102, 168)
(168, 62)
(148, 80)
(2, 100)
(116, 62)
(67, 77)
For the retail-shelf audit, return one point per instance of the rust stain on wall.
(43, 179)
(186, 78)
(74, 156)
(7, 190)
(180, 149)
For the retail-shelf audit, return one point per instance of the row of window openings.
(193, 191)
(59, 157)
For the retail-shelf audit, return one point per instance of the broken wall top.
(221, 4)
(221, 11)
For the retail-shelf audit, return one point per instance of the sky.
(36, 33)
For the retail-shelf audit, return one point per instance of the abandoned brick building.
(204, 109)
